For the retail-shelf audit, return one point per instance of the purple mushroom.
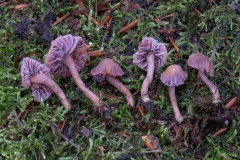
(203, 63)
(108, 69)
(66, 57)
(150, 55)
(37, 76)
(171, 77)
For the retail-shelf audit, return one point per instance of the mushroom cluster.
(67, 56)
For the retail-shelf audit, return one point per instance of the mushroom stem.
(173, 100)
(117, 84)
(211, 86)
(68, 61)
(149, 77)
(43, 79)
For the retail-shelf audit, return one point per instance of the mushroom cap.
(150, 46)
(68, 44)
(201, 62)
(173, 76)
(30, 68)
(106, 67)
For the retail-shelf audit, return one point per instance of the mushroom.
(66, 57)
(150, 55)
(37, 76)
(203, 63)
(108, 69)
(171, 77)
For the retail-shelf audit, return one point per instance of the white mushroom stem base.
(211, 86)
(43, 79)
(149, 77)
(173, 100)
(117, 84)
(68, 61)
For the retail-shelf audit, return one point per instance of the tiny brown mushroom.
(66, 57)
(171, 77)
(203, 63)
(108, 69)
(150, 55)
(37, 76)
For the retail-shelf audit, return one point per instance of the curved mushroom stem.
(68, 61)
(149, 77)
(116, 83)
(211, 86)
(43, 79)
(173, 100)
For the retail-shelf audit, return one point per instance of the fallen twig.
(22, 6)
(60, 19)
(130, 25)
(219, 132)
(96, 53)
(232, 102)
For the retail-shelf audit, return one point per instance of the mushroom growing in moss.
(202, 63)
(108, 69)
(171, 77)
(66, 57)
(149, 56)
(37, 76)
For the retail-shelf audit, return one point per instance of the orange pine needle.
(148, 142)
(105, 20)
(22, 6)
(80, 3)
(92, 19)
(112, 97)
(60, 19)
(140, 108)
(197, 11)
(174, 45)
(102, 5)
(219, 132)
(96, 53)
(63, 125)
(167, 16)
(232, 102)
(130, 25)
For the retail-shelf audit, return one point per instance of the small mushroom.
(66, 57)
(108, 69)
(37, 76)
(150, 55)
(203, 63)
(171, 77)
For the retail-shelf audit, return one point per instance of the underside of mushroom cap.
(173, 76)
(201, 62)
(106, 67)
(150, 46)
(30, 68)
(68, 44)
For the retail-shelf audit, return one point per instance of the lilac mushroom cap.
(106, 67)
(201, 62)
(173, 76)
(68, 44)
(32, 67)
(150, 45)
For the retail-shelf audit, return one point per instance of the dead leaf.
(86, 132)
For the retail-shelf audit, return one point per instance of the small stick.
(112, 97)
(92, 19)
(102, 5)
(219, 132)
(63, 125)
(22, 6)
(105, 20)
(130, 25)
(232, 102)
(197, 11)
(174, 45)
(171, 125)
(141, 110)
(149, 145)
(60, 19)
(96, 53)
(167, 16)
